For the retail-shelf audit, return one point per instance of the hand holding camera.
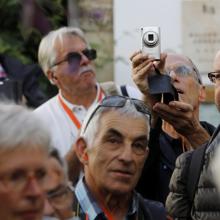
(159, 83)
(150, 37)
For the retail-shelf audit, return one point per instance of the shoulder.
(133, 92)
(49, 106)
(208, 127)
(156, 209)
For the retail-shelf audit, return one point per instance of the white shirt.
(63, 131)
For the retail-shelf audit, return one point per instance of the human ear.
(82, 150)
(51, 76)
(202, 93)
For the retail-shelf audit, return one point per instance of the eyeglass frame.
(192, 69)
(216, 77)
(7, 181)
(132, 100)
(68, 56)
(50, 195)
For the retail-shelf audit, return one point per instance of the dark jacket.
(147, 210)
(206, 203)
(28, 76)
(158, 168)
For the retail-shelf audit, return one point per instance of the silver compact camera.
(150, 41)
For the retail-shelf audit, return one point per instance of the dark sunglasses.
(119, 102)
(185, 71)
(214, 76)
(74, 58)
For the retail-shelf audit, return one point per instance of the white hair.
(20, 128)
(127, 110)
(47, 53)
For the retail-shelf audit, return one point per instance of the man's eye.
(17, 176)
(114, 140)
(40, 174)
(141, 145)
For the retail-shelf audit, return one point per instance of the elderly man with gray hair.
(67, 61)
(112, 147)
(24, 150)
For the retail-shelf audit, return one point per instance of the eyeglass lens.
(62, 197)
(74, 58)
(182, 71)
(17, 180)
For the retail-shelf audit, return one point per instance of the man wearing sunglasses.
(112, 147)
(180, 129)
(67, 61)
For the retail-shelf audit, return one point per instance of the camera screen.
(150, 37)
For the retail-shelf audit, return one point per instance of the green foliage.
(21, 42)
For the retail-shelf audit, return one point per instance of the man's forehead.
(177, 60)
(115, 119)
(69, 42)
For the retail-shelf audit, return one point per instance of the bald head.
(173, 60)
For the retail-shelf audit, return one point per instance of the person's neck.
(85, 98)
(115, 204)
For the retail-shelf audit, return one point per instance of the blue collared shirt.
(90, 206)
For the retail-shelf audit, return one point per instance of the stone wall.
(96, 19)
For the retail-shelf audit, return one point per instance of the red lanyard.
(106, 212)
(69, 112)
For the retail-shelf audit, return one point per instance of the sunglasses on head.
(74, 58)
(119, 102)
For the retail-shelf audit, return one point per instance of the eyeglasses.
(18, 179)
(185, 71)
(119, 102)
(63, 197)
(214, 76)
(74, 58)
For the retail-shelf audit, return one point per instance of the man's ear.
(81, 150)
(52, 78)
(147, 152)
(202, 93)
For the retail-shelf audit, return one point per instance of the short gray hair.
(47, 52)
(127, 110)
(20, 128)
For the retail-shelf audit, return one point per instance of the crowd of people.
(96, 152)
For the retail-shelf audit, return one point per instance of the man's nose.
(33, 188)
(126, 153)
(173, 76)
(84, 59)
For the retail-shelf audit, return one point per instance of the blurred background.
(112, 27)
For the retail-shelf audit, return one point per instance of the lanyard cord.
(107, 213)
(71, 115)
(69, 112)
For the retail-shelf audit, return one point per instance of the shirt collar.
(73, 106)
(89, 205)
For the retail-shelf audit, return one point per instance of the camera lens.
(150, 39)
